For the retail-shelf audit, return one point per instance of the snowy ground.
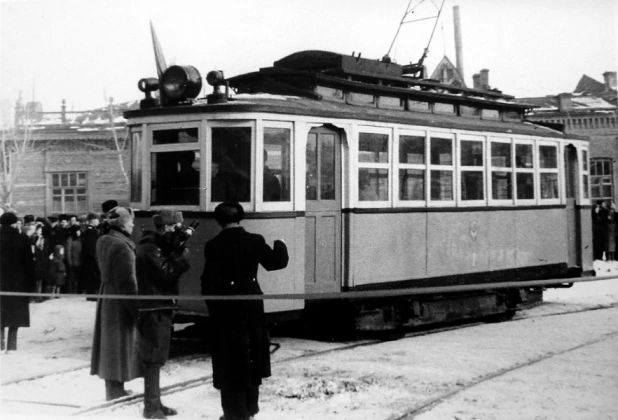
(377, 382)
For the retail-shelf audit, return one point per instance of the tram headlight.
(180, 83)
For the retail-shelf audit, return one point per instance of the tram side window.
(277, 163)
(175, 178)
(472, 185)
(373, 173)
(524, 171)
(136, 167)
(548, 169)
(441, 181)
(231, 164)
(501, 173)
(585, 174)
(411, 176)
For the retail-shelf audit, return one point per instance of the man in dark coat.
(159, 265)
(240, 343)
(16, 275)
(114, 349)
(90, 270)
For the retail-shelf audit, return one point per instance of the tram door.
(323, 211)
(572, 212)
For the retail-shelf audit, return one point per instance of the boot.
(153, 409)
(114, 389)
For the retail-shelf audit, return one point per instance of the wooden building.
(74, 161)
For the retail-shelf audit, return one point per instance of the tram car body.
(376, 180)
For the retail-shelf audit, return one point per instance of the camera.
(178, 238)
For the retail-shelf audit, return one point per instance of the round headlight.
(180, 83)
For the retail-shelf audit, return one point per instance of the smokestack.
(458, 49)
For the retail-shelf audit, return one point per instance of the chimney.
(610, 80)
(63, 111)
(565, 103)
(476, 81)
(458, 43)
(484, 79)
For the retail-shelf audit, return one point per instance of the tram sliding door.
(572, 212)
(323, 211)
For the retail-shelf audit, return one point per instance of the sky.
(85, 51)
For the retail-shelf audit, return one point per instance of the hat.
(229, 212)
(119, 216)
(108, 205)
(92, 216)
(167, 217)
(29, 218)
(52, 219)
(64, 217)
(8, 218)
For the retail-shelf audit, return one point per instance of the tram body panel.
(541, 237)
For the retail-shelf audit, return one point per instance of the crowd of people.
(132, 337)
(604, 219)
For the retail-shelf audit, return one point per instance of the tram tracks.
(76, 409)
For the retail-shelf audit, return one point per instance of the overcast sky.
(83, 50)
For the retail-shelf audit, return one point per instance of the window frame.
(559, 146)
(452, 167)
(221, 123)
(151, 148)
(491, 169)
(533, 171)
(388, 131)
(601, 177)
(62, 193)
(584, 170)
(397, 166)
(460, 169)
(260, 204)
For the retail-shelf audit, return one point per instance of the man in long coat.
(16, 275)
(240, 343)
(114, 349)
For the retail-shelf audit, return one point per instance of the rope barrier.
(332, 295)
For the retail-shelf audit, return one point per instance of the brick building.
(74, 162)
(589, 110)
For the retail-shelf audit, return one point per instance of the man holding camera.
(161, 259)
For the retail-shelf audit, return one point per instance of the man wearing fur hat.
(159, 265)
(16, 275)
(114, 355)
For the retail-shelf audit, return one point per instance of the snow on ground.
(367, 382)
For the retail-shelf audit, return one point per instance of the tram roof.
(301, 106)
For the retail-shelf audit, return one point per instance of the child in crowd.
(58, 270)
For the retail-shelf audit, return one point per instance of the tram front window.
(277, 163)
(231, 164)
(175, 178)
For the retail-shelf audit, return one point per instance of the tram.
(376, 178)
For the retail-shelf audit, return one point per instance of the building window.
(373, 160)
(601, 179)
(69, 192)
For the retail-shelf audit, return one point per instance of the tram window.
(525, 186)
(175, 178)
(441, 151)
(469, 111)
(276, 181)
(512, 115)
(523, 156)
(136, 168)
(549, 185)
(501, 185)
(329, 94)
(442, 185)
(548, 157)
(390, 102)
(500, 155)
(373, 148)
(472, 185)
(472, 181)
(361, 99)
(412, 184)
(490, 114)
(471, 153)
(584, 160)
(442, 108)
(418, 106)
(372, 184)
(231, 164)
(186, 135)
(412, 149)
(586, 186)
